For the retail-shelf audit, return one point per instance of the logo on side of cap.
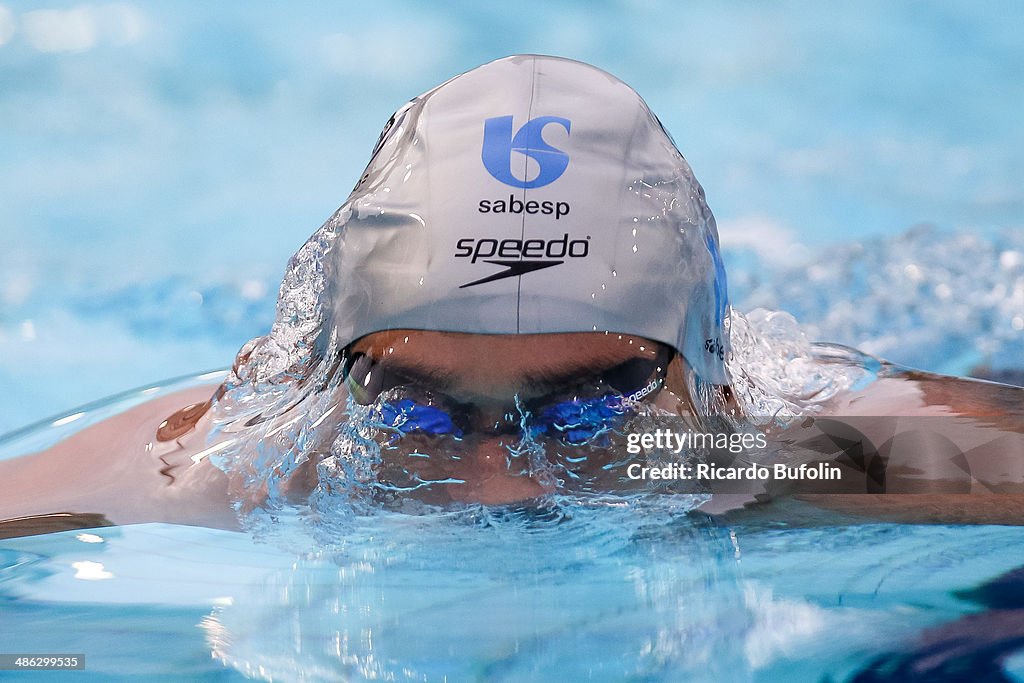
(499, 145)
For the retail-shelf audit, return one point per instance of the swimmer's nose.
(497, 421)
(492, 475)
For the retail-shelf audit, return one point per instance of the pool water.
(584, 592)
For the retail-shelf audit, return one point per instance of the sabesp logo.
(499, 145)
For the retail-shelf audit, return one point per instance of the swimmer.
(526, 271)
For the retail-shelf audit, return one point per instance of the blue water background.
(159, 162)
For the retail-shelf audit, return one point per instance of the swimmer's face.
(456, 407)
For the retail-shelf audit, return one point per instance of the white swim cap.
(531, 195)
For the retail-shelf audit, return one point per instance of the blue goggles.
(578, 414)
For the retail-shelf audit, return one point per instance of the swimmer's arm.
(942, 434)
(924, 485)
(902, 393)
(831, 510)
(110, 473)
(925, 508)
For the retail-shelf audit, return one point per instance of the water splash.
(778, 373)
(630, 586)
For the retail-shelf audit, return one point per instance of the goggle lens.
(406, 408)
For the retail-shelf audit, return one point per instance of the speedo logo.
(519, 257)
(637, 395)
(476, 249)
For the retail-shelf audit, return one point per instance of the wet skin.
(139, 466)
(489, 373)
(145, 465)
